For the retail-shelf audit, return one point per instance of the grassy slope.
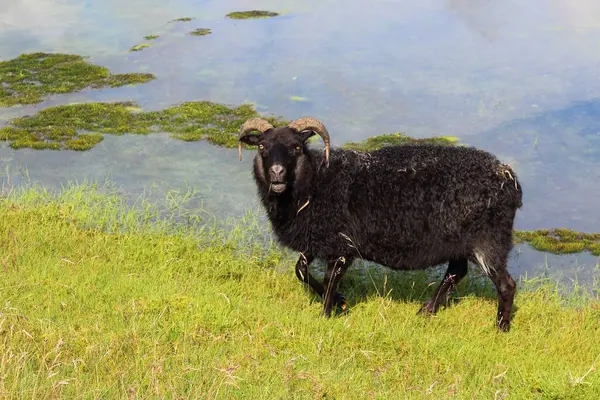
(93, 313)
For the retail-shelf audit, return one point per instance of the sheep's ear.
(305, 135)
(250, 140)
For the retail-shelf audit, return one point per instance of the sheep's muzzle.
(277, 187)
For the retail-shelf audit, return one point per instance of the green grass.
(31, 78)
(151, 37)
(101, 299)
(252, 14)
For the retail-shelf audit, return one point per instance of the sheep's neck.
(283, 209)
(290, 226)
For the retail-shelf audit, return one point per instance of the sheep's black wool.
(405, 207)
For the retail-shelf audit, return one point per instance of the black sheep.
(405, 207)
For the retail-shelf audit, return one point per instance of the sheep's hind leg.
(496, 268)
(506, 287)
(335, 271)
(457, 269)
(304, 275)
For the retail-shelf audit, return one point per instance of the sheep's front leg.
(335, 271)
(304, 275)
(457, 269)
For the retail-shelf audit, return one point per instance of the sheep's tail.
(510, 185)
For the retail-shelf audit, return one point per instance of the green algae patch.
(139, 47)
(191, 121)
(298, 98)
(130, 78)
(200, 32)
(80, 126)
(151, 37)
(251, 14)
(30, 78)
(184, 19)
(394, 139)
(35, 143)
(11, 133)
(560, 241)
(84, 142)
(217, 123)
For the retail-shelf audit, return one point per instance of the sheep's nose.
(277, 172)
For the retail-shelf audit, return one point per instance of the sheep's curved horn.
(253, 124)
(313, 124)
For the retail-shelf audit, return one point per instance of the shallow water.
(516, 79)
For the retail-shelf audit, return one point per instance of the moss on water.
(200, 32)
(11, 133)
(151, 37)
(251, 14)
(298, 98)
(190, 121)
(184, 19)
(393, 139)
(217, 123)
(139, 47)
(68, 126)
(560, 241)
(131, 78)
(84, 141)
(30, 78)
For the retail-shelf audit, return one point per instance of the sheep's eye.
(260, 146)
(297, 147)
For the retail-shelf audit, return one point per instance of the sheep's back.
(429, 197)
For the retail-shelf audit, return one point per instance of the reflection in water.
(492, 73)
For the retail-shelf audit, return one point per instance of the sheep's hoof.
(341, 302)
(503, 325)
(338, 300)
(428, 308)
